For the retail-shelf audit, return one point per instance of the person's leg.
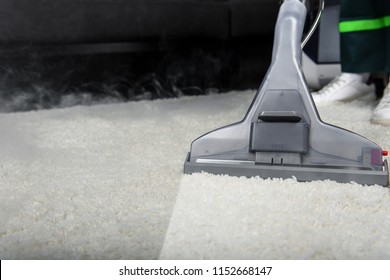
(386, 8)
(362, 36)
(381, 114)
(362, 50)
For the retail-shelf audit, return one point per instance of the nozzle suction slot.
(280, 116)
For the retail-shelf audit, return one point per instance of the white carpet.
(105, 182)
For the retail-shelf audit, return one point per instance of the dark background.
(130, 49)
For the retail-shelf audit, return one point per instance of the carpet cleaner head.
(282, 135)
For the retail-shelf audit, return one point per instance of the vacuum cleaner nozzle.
(282, 135)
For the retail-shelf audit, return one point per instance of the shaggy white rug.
(106, 182)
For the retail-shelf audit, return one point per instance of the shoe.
(381, 114)
(344, 88)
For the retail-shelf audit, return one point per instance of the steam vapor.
(43, 82)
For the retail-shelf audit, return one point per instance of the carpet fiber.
(106, 182)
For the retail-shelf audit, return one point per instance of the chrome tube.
(305, 2)
(321, 5)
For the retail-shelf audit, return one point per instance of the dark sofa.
(96, 21)
(129, 49)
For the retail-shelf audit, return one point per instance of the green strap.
(364, 24)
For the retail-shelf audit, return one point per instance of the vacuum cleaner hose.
(321, 5)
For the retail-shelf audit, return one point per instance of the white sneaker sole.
(371, 96)
(368, 97)
(381, 121)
